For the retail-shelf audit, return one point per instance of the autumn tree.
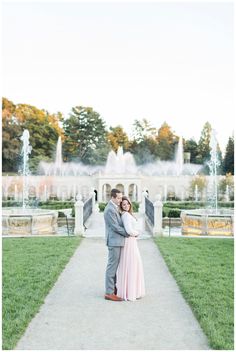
(43, 128)
(201, 182)
(118, 137)
(227, 182)
(166, 141)
(11, 132)
(44, 131)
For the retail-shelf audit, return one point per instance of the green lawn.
(204, 271)
(31, 266)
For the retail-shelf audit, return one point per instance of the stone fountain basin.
(207, 222)
(19, 221)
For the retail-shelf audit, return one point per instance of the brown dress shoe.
(113, 297)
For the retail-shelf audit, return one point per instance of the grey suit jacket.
(115, 232)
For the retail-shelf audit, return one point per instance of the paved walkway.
(75, 315)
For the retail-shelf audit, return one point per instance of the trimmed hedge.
(102, 206)
(11, 203)
(171, 212)
(174, 213)
(195, 205)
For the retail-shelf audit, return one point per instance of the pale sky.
(163, 61)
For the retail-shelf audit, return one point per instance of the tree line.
(86, 138)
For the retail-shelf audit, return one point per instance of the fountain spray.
(213, 164)
(26, 150)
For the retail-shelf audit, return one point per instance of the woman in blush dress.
(130, 278)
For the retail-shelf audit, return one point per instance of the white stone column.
(92, 194)
(15, 193)
(139, 194)
(142, 205)
(158, 205)
(79, 226)
(44, 196)
(95, 205)
(126, 190)
(99, 192)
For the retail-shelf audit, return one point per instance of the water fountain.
(60, 168)
(179, 158)
(177, 167)
(120, 163)
(196, 193)
(26, 221)
(212, 220)
(65, 179)
(26, 150)
(227, 193)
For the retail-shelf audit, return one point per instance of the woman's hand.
(134, 234)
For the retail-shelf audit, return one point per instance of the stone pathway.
(75, 315)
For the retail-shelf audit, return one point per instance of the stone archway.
(160, 190)
(32, 192)
(85, 192)
(106, 192)
(133, 192)
(120, 187)
(170, 192)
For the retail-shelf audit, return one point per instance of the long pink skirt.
(130, 278)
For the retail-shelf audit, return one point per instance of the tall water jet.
(213, 164)
(26, 150)
(165, 192)
(120, 163)
(45, 192)
(15, 193)
(58, 160)
(179, 159)
(196, 193)
(227, 194)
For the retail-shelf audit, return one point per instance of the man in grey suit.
(115, 240)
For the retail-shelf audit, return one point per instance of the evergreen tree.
(143, 145)
(204, 144)
(191, 146)
(228, 162)
(143, 130)
(144, 151)
(86, 136)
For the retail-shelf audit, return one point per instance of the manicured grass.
(31, 266)
(204, 271)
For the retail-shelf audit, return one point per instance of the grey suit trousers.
(112, 265)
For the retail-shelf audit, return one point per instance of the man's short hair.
(114, 192)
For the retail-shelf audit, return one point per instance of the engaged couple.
(124, 272)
